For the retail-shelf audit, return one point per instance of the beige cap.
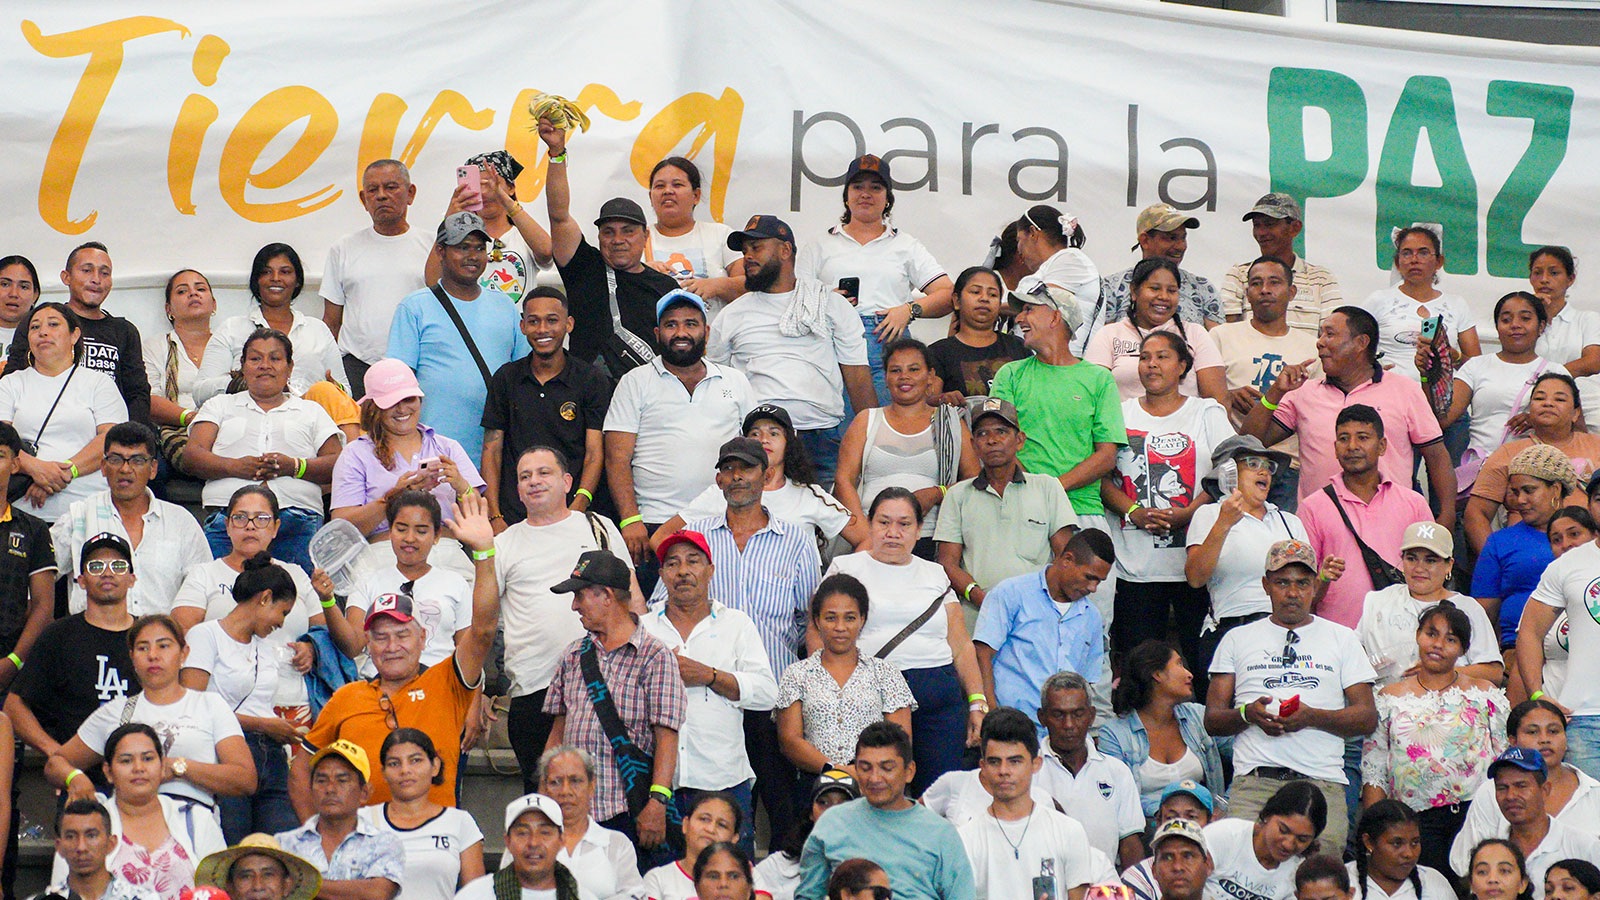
(1164, 217)
(1429, 536)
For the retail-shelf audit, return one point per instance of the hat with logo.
(1288, 553)
(1180, 828)
(748, 450)
(620, 209)
(1428, 536)
(103, 540)
(539, 803)
(768, 411)
(1276, 205)
(1004, 410)
(394, 606)
(1192, 788)
(761, 228)
(872, 165)
(389, 381)
(679, 297)
(1032, 291)
(1164, 217)
(459, 226)
(599, 568)
(836, 780)
(684, 536)
(350, 752)
(1524, 758)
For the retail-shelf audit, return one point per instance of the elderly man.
(370, 271)
(167, 541)
(406, 695)
(257, 868)
(618, 693)
(1522, 794)
(1275, 222)
(1164, 234)
(363, 863)
(1100, 791)
(533, 840)
(724, 669)
(84, 839)
(1292, 687)
(1189, 802)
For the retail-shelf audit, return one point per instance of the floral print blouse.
(833, 716)
(168, 870)
(1434, 749)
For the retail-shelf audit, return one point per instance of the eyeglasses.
(259, 520)
(1258, 463)
(389, 717)
(117, 460)
(1290, 657)
(102, 566)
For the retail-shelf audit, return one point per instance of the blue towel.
(330, 671)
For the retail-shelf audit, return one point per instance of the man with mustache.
(1164, 232)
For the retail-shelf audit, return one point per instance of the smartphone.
(1289, 706)
(1431, 326)
(470, 176)
(851, 286)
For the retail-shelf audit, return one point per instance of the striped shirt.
(771, 580)
(1319, 294)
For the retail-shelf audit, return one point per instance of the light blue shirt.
(423, 337)
(920, 851)
(1033, 638)
(365, 852)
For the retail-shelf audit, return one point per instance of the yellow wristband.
(629, 521)
(71, 775)
(481, 555)
(661, 791)
(562, 159)
(967, 593)
(330, 603)
(584, 492)
(72, 467)
(1271, 407)
(15, 660)
(1536, 695)
(184, 417)
(944, 489)
(1241, 713)
(300, 468)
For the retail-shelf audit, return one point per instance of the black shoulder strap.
(1382, 572)
(633, 764)
(472, 346)
(912, 626)
(598, 531)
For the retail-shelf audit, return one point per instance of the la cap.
(1164, 217)
(620, 209)
(1428, 536)
(389, 381)
(103, 540)
(1276, 205)
(761, 228)
(394, 606)
(533, 803)
(679, 297)
(1004, 410)
(1288, 553)
(1192, 788)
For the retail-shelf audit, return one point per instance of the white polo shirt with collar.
(316, 354)
(677, 434)
(727, 641)
(295, 427)
(172, 543)
(1103, 796)
(890, 266)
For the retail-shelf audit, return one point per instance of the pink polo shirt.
(1382, 524)
(1311, 409)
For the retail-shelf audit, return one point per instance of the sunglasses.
(1290, 656)
(389, 717)
(102, 566)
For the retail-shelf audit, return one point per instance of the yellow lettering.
(103, 44)
(522, 132)
(194, 118)
(257, 128)
(713, 116)
(383, 122)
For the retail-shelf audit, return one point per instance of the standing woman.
(917, 625)
(1494, 387)
(276, 279)
(63, 409)
(695, 253)
(1389, 846)
(1402, 309)
(1155, 489)
(1050, 245)
(264, 434)
(1154, 307)
(19, 291)
(1573, 335)
(172, 360)
(908, 443)
(888, 264)
(443, 846)
(1437, 732)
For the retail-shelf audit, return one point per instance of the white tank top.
(892, 459)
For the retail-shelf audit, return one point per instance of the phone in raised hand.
(471, 177)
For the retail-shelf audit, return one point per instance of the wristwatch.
(916, 311)
(180, 767)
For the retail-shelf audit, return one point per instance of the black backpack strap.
(472, 346)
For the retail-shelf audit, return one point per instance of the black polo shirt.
(590, 301)
(27, 551)
(554, 414)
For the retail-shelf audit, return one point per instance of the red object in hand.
(203, 892)
(1289, 706)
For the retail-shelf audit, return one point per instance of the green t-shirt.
(1065, 411)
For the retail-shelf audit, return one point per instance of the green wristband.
(629, 521)
(15, 660)
(584, 492)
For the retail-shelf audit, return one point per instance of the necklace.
(1455, 676)
(1016, 846)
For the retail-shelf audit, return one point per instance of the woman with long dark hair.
(172, 360)
(1119, 346)
(1160, 730)
(1258, 858)
(1573, 336)
(1388, 846)
(19, 291)
(443, 846)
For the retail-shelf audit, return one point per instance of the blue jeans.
(1583, 743)
(869, 327)
(822, 447)
(938, 724)
(268, 810)
(292, 545)
(685, 797)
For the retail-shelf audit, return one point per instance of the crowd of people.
(1234, 587)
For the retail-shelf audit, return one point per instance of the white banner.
(188, 134)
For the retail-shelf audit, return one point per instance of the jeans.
(292, 545)
(527, 729)
(822, 447)
(743, 793)
(267, 810)
(1583, 743)
(869, 328)
(938, 724)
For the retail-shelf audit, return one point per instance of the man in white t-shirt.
(1100, 791)
(801, 344)
(370, 271)
(1292, 687)
(1571, 584)
(531, 557)
(1275, 223)
(666, 421)
(1018, 847)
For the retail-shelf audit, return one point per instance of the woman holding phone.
(1403, 311)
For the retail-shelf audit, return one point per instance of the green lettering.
(1426, 104)
(1550, 108)
(1290, 92)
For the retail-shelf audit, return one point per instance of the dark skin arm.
(1094, 467)
(41, 611)
(359, 889)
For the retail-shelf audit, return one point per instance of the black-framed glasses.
(259, 520)
(117, 460)
(1290, 656)
(114, 566)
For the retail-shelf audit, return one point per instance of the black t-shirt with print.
(74, 669)
(589, 300)
(971, 370)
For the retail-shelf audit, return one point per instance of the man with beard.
(454, 333)
(666, 421)
(548, 399)
(801, 344)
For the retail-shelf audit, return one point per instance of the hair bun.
(259, 561)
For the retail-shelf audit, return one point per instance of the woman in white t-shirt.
(443, 845)
(714, 817)
(19, 291)
(1387, 842)
(1050, 245)
(790, 493)
(1573, 335)
(1402, 309)
(695, 253)
(230, 658)
(1154, 492)
(172, 360)
(937, 657)
(203, 749)
(602, 860)
(63, 408)
(1154, 307)
(1258, 859)
(1495, 386)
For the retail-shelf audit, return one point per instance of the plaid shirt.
(647, 689)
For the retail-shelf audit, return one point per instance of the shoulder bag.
(1384, 573)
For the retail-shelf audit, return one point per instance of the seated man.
(1187, 800)
(258, 869)
(84, 839)
(533, 840)
(365, 862)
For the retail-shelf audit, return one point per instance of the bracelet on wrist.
(629, 521)
(481, 555)
(1536, 695)
(1241, 713)
(72, 469)
(561, 158)
(71, 775)
(15, 660)
(184, 416)
(1270, 406)
(966, 594)
(300, 468)
(662, 791)
(330, 603)
(584, 493)
(713, 681)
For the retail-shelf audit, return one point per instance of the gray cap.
(457, 227)
(1276, 205)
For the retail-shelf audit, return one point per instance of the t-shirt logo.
(417, 696)
(1591, 599)
(109, 683)
(569, 411)
(14, 545)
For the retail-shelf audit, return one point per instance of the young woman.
(19, 291)
(1389, 845)
(1572, 879)
(1050, 245)
(965, 362)
(1160, 731)
(1573, 335)
(1322, 878)
(1401, 310)
(908, 443)
(696, 253)
(1118, 346)
(937, 658)
(603, 861)
(723, 871)
(230, 657)
(1154, 490)
(1438, 730)
(1498, 871)
(713, 818)
(1259, 858)
(1494, 387)
(443, 846)
(826, 699)
(172, 360)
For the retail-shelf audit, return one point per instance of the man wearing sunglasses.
(1293, 687)
(166, 539)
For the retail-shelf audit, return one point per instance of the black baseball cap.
(876, 166)
(748, 450)
(102, 540)
(620, 209)
(768, 411)
(761, 228)
(599, 568)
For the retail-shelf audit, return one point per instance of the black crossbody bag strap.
(1384, 573)
(633, 764)
(472, 346)
(911, 627)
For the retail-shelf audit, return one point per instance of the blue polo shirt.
(1033, 638)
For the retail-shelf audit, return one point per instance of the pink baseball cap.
(389, 381)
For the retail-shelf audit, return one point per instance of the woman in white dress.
(443, 846)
